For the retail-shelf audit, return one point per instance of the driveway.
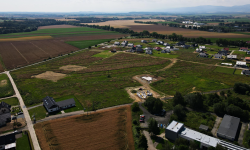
(150, 142)
(242, 131)
(160, 119)
(216, 126)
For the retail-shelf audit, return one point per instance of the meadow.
(23, 142)
(87, 43)
(5, 86)
(11, 101)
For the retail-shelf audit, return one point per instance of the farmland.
(102, 82)
(107, 129)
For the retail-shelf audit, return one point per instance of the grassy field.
(40, 112)
(23, 143)
(224, 70)
(232, 39)
(87, 43)
(5, 86)
(58, 32)
(188, 77)
(11, 101)
(238, 72)
(240, 54)
(166, 55)
(237, 19)
(104, 54)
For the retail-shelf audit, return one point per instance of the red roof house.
(226, 49)
(157, 48)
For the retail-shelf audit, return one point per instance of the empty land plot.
(58, 26)
(185, 32)
(109, 129)
(6, 88)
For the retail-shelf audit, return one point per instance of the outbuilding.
(231, 56)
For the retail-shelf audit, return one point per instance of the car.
(142, 118)
(20, 113)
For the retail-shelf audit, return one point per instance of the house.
(231, 56)
(130, 45)
(225, 49)
(224, 53)
(247, 58)
(211, 30)
(166, 44)
(203, 127)
(246, 72)
(139, 46)
(8, 141)
(199, 24)
(157, 48)
(248, 52)
(203, 55)
(245, 49)
(248, 42)
(198, 50)
(202, 47)
(180, 43)
(113, 50)
(5, 113)
(228, 127)
(148, 48)
(194, 45)
(218, 56)
(154, 40)
(165, 51)
(143, 41)
(51, 105)
(139, 50)
(241, 64)
(187, 22)
(160, 42)
(149, 51)
(186, 46)
(117, 43)
(124, 43)
(175, 49)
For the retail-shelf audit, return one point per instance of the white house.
(198, 50)
(231, 56)
(130, 45)
(187, 22)
(241, 64)
(202, 47)
(117, 43)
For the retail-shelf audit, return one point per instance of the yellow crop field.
(26, 38)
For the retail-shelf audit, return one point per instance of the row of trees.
(238, 43)
(148, 22)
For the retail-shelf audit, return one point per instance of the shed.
(154, 40)
(203, 127)
(232, 56)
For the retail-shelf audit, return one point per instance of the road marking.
(19, 53)
(41, 49)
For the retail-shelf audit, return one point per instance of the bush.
(153, 126)
(195, 100)
(135, 122)
(178, 99)
(179, 112)
(89, 47)
(241, 88)
(154, 105)
(135, 107)
(133, 91)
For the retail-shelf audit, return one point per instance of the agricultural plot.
(191, 77)
(5, 86)
(102, 82)
(87, 43)
(110, 129)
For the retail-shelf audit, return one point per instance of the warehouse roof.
(229, 126)
(175, 126)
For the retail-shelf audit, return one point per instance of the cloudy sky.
(106, 5)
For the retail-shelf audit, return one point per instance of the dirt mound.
(3, 83)
(72, 68)
(50, 75)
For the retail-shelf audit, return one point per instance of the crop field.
(58, 26)
(188, 77)
(107, 129)
(87, 43)
(102, 82)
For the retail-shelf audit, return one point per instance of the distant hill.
(210, 9)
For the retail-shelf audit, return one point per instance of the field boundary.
(19, 52)
(40, 49)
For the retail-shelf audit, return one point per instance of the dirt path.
(216, 126)
(146, 85)
(168, 66)
(150, 142)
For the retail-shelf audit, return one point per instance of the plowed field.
(185, 32)
(107, 130)
(1, 68)
(59, 26)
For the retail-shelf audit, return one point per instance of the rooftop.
(229, 126)
(241, 63)
(175, 126)
(66, 102)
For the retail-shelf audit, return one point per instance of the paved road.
(150, 142)
(26, 114)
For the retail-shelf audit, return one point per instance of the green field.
(166, 55)
(238, 72)
(23, 143)
(224, 70)
(5, 86)
(240, 54)
(87, 43)
(237, 19)
(59, 32)
(11, 101)
(232, 39)
(40, 112)
(104, 54)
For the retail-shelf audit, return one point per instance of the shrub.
(241, 88)
(135, 107)
(133, 91)
(135, 122)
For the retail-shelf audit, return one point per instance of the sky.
(107, 5)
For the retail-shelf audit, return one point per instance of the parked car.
(142, 118)
(20, 113)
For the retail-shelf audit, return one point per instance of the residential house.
(169, 47)
(138, 46)
(231, 56)
(160, 42)
(248, 42)
(198, 50)
(187, 22)
(139, 50)
(186, 46)
(241, 64)
(157, 48)
(199, 24)
(248, 52)
(143, 41)
(166, 44)
(218, 56)
(245, 72)
(148, 48)
(117, 43)
(51, 105)
(175, 49)
(180, 43)
(202, 47)
(245, 49)
(5, 113)
(154, 40)
(194, 45)
(8, 142)
(247, 58)
(225, 49)
(130, 45)
(149, 51)
(224, 53)
(124, 43)
(203, 55)
(113, 50)
(165, 51)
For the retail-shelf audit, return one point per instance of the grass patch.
(224, 70)
(5, 86)
(23, 143)
(232, 39)
(238, 72)
(39, 112)
(104, 54)
(11, 101)
(166, 55)
(240, 54)
(87, 43)
(76, 108)
(246, 139)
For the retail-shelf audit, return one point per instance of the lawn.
(238, 72)
(76, 108)
(23, 143)
(11, 101)
(240, 54)
(166, 55)
(40, 112)
(87, 43)
(232, 39)
(224, 70)
(104, 54)
(246, 139)
(5, 86)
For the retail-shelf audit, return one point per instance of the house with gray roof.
(5, 113)
(203, 55)
(117, 43)
(245, 72)
(51, 105)
(130, 45)
(218, 56)
(228, 127)
(124, 43)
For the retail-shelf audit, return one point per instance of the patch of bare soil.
(50, 75)
(57, 26)
(3, 83)
(72, 68)
(9, 126)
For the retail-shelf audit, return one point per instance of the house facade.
(51, 105)
(5, 113)
(8, 142)
(203, 55)
(231, 56)
(245, 49)
(117, 43)
(245, 72)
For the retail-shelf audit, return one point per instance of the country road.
(26, 114)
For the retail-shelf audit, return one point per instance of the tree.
(179, 112)
(219, 108)
(194, 145)
(157, 106)
(145, 32)
(154, 105)
(167, 146)
(178, 99)
(234, 111)
(143, 142)
(195, 100)
(153, 126)
(135, 107)
(241, 88)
